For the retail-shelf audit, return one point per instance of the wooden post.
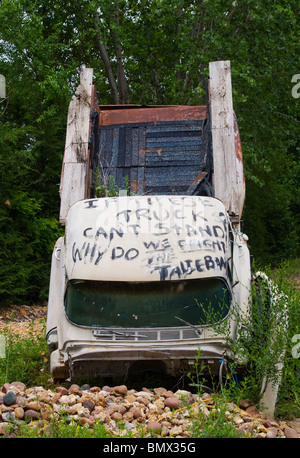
(228, 179)
(75, 162)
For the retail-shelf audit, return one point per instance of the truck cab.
(139, 281)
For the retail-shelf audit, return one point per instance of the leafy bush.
(264, 337)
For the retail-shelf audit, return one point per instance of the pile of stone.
(160, 412)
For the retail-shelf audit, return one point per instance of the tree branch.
(122, 81)
(106, 62)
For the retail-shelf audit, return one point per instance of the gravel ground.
(27, 320)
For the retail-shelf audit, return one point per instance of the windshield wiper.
(198, 331)
(101, 333)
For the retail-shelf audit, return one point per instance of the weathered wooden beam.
(75, 162)
(228, 179)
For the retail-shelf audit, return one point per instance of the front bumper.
(103, 359)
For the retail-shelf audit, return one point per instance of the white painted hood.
(146, 238)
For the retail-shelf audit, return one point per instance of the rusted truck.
(151, 202)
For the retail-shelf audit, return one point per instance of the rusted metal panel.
(137, 114)
(159, 150)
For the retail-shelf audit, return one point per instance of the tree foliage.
(145, 52)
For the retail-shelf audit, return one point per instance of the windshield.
(147, 304)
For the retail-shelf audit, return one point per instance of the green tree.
(144, 52)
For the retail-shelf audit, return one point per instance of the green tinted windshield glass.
(149, 304)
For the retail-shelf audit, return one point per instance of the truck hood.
(141, 238)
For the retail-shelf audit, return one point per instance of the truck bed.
(155, 150)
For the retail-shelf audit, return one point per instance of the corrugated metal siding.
(161, 157)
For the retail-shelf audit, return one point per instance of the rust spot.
(200, 177)
(237, 143)
(144, 150)
(240, 175)
(135, 185)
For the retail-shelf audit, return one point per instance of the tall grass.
(26, 358)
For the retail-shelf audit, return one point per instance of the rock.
(142, 400)
(160, 404)
(146, 390)
(117, 416)
(46, 411)
(172, 402)
(154, 426)
(290, 433)
(244, 404)
(3, 427)
(89, 405)
(129, 426)
(21, 401)
(74, 389)
(99, 399)
(136, 412)
(107, 388)
(95, 389)
(295, 424)
(121, 389)
(32, 414)
(9, 398)
(19, 413)
(128, 416)
(267, 423)
(130, 398)
(121, 409)
(19, 385)
(183, 394)
(272, 433)
(8, 408)
(62, 390)
(85, 387)
(85, 421)
(176, 430)
(237, 420)
(8, 416)
(5, 387)
(160, 391)
(208, 399)
(33, 405)
(252, 411)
